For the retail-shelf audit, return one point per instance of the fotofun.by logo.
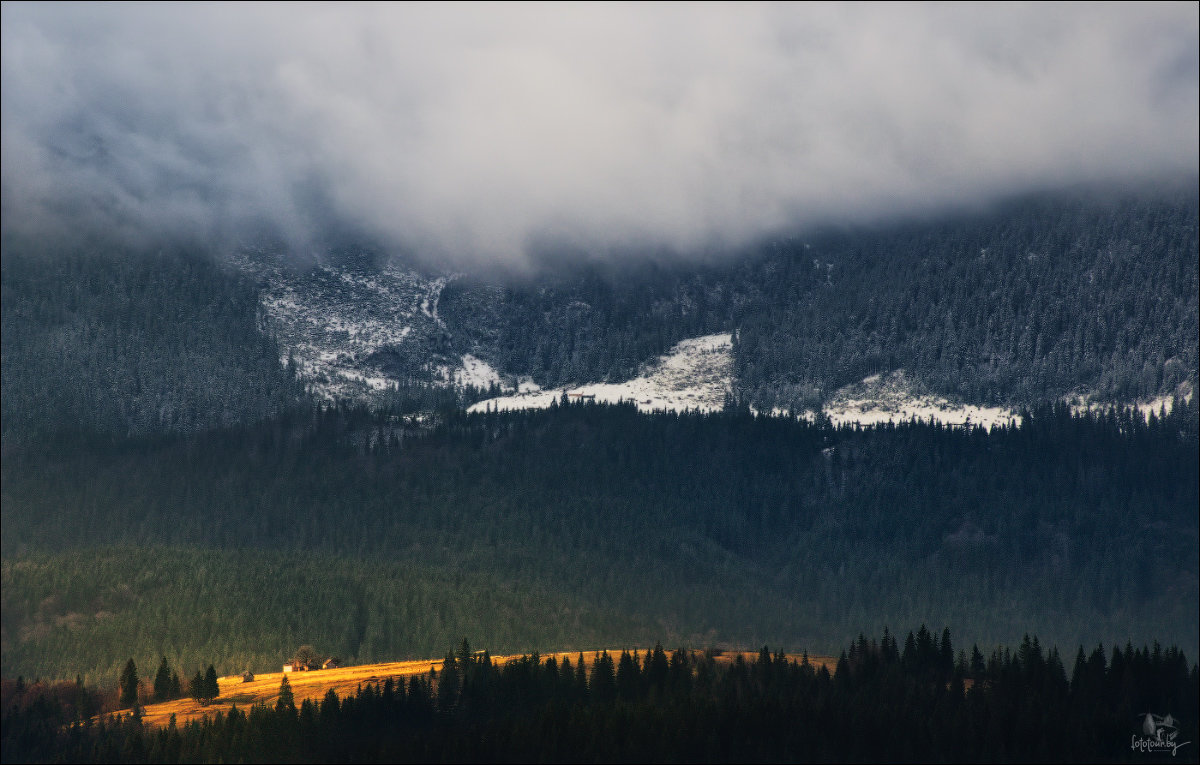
(1160, 734)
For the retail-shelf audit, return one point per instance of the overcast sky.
(473, 133)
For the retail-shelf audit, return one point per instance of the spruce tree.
(603, 686)
(196, 687)
(212, 689)
(129, 685)
(162, 681)
(629, 677)
(286, 700)
(448, 685)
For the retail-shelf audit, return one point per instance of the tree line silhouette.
(882, 701)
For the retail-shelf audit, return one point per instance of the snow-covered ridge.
(695, 374)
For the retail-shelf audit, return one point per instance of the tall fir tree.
(212, 689)
(286, 700)
(129, 685)
(162, 681)
(197, 688)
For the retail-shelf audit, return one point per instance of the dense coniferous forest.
(591, 322)
(883, 702)
(1032, 303)
(126, 344)
(592, 523)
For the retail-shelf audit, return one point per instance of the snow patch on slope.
(695, 374)
(1089, 402)
(894, 397)
(477, 372)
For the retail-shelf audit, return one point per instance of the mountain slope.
(1037, 301)
(1048, 298)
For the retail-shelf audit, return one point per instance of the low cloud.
(474, 134)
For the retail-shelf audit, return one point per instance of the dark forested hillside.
(1033, 302)
(595, 322)
(597, 521)
(132, 344)
(1028, 303)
